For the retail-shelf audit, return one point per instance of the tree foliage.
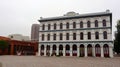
(117, 39)
(3, 45)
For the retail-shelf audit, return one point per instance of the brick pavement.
(36, 61)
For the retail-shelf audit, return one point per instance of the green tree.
(3, 45)
(117, 38)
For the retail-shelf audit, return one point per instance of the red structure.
(20, 47)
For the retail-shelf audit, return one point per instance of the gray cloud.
(17, 16)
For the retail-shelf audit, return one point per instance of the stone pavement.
(38, 61)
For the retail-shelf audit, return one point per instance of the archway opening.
(82, 50)
(67, 50)
(97, 50)
(42, 50)
(61, 50)
(48, 50)
(89, 50)
(74, 52)
(54, 50)
(106, 50)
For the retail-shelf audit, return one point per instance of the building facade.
(16, 47)
(35, 32)
(74, 34)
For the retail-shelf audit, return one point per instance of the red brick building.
(22, 47)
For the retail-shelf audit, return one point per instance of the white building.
(77, 35)
(19, 37)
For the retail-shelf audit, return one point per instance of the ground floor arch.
(97, 50)
(81, 50)
(89, 50)
(67, 52)
(48, 50)
(106, 50)
(61, 50)
(54, 50)
(42, 50)
(74, 50)
(82, 54)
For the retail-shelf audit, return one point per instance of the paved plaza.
(38, 61)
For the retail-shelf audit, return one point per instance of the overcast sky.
(17, 16)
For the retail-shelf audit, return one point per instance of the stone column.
(45, 50)
(93, 50)
(50, 50)
(85, 50)
(70, 50)
(78, 51)
(102, 53)
(57, 52)
(63, 50)
(111, 51)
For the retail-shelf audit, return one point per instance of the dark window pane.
(67, 36)
(49, 26)
(43, 27)
(96, 23)
(96, 35)
(89, 35)
(74, 24)
(74, 36)
(42, 37)
(88, 24)
(48, 37)
(54, 37)
(55, 26)
(104, 23)
(81, 35)
(61, 36)
(61, 26)
(81, 24)
(67, 26)
(105, 35)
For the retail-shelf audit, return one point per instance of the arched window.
(74, 36)
(81, 24)
(104, 23)
(55, 26)
(81, 35)
(74, 24)
(89, 35)
(54, 47)
(105, 35)
(61, 36)
(48, 37)
(89, 50)
(67, 36)
(106, 50)
(49, 26)
(61, 25)
(88, 24)
(67, 47)
(54, 36)
(96, 35)
(97, 50)
(67, 25)
(42, 47)
(43, 27)
(96, 23)
(42, 37)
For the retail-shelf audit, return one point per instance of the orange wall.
(12, 43)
